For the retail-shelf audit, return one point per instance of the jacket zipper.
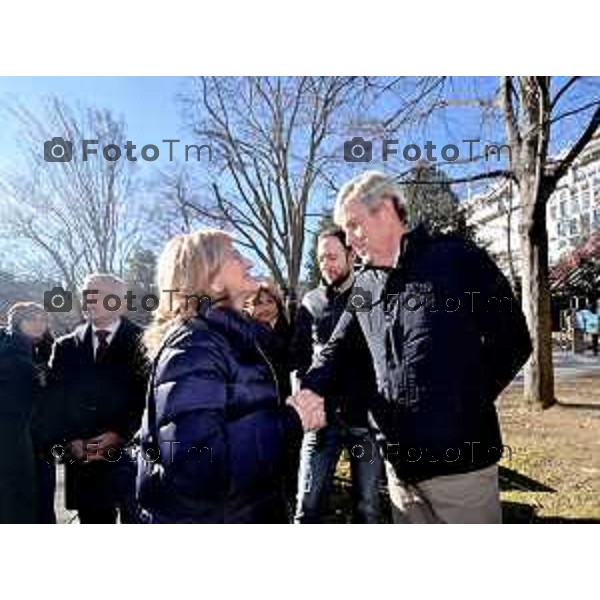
(273, 373)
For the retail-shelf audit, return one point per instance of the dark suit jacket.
(94, 398)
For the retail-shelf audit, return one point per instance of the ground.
(551, 472)
(558, 450)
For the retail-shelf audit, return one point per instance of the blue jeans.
(319, 455)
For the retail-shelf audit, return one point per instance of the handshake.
(310, 407)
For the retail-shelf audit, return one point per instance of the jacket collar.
(335, 290)
(412, 241)
(233, 325)
(17, 339)
(85, 331)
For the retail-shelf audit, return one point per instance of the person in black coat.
(446, 336)
(100, 372)
(348, 427)
(17, 470)
(266, 307)
(31, 320)
(215, 430)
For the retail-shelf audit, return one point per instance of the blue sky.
(150, 108)
(147, 104)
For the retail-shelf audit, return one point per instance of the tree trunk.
(539, 373)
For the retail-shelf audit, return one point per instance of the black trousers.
(102, 491)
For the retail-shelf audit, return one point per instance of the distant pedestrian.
(31, 320)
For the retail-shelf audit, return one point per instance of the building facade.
(573, 213)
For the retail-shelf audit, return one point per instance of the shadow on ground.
(579, 406)
(519, 512)
(511, 480)
(340, 510)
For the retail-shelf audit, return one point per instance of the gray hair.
(115, 282)
(370, 188)
(22, 311)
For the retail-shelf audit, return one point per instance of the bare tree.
(76, 216)
(175, 200)
(530, 113)
(525, 114)
(273, 138)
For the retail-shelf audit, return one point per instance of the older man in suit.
(100, 371)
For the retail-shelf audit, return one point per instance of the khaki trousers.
(464, 498)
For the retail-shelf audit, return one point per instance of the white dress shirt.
(112, 329)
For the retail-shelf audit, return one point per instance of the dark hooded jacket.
(216, 433)
(446, 335)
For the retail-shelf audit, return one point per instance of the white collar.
(112, 328)
(397, 254)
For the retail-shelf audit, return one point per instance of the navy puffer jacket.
(222, 430)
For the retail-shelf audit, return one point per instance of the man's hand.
(97, 447)
(77, 449)
(310, 407)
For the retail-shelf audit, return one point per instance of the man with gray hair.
(446, 336)
(99, 371)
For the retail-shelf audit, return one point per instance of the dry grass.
(558, 448)
(551, 472)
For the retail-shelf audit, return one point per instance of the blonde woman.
(215, 432)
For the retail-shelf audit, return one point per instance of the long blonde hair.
(187, 265)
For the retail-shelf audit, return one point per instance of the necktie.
(102, 344)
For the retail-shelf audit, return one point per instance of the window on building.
(563, 208)
(585, 200)
(553, 212)
(596, 188)
(585, 224)
(597, 217)
(574, 206)
(573, 227)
